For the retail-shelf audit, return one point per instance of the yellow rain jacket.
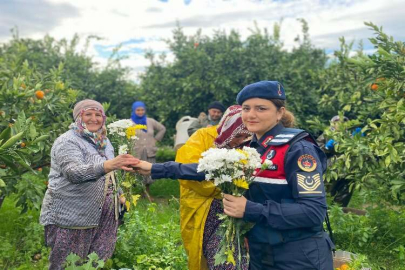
(196, 197)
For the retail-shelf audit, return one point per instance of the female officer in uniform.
(287, 201)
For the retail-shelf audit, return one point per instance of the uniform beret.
(262, 89)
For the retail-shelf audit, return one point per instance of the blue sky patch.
(105, 51)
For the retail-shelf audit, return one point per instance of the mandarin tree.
(373, 159)
(29, 123)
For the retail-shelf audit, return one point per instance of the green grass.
(150, 237)
(165, 188)
(154, 227)
(21, 238)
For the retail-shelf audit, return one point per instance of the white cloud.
(153, 21)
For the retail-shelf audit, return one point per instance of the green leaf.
(347, 162)
(347, 107)
(10, 142)
(33, 132)
(5, 134)
(387, 161)
(9, 161)
(23, 163)
(40, 138)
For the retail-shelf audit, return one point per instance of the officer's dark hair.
(288, 119)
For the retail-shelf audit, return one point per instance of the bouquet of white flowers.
(232, 171)
(123, 136)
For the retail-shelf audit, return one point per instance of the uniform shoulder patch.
(307, 163)
(309, 184)
(267, 140)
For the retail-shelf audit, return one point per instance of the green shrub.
(92, 263)
(21, 239)
(150, 239)
(379, 235)
(165, 153)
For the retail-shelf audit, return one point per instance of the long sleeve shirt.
(77, 183)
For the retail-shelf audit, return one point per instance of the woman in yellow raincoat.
(200, 202)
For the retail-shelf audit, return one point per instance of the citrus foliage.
(217, 68)
(34, 110)
(37, 82)
(370, 90)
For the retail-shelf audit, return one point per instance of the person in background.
(81, 205)
(328, 145)
(340, 188)
(215, 111)
(200, 202)
(145, 147)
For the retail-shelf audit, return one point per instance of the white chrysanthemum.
(222, 179)
(119, 127)
(123, 149)
(254, 157)
(223, 165)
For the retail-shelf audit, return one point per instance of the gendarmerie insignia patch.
(307, 163)
(309, 183)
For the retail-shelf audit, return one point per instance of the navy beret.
(262, 89)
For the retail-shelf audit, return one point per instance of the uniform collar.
(261, 144)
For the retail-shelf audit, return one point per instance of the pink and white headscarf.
(230, 125)
(99, 138)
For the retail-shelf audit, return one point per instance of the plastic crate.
(342, 257)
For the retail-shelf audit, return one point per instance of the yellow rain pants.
(196, 197)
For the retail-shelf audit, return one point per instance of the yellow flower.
(135, 199)
(141, 127)
(128, 205)
(243, 161)
(242, 152)
(126, 184)
(230, 257)
(241, 183)
(130, 132)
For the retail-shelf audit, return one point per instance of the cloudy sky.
(140, 25)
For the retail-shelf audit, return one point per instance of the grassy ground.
(151, 234)
(22, 237)
(165, 188)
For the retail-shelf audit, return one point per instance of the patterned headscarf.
(139, 120)
(230, 125)
(99, 138)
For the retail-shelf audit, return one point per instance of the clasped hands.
(233, 206)
(128, 163)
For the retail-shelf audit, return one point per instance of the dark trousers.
(312, 253)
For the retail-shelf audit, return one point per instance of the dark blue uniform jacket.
(282, 212)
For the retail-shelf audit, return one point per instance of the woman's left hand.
(234, 206)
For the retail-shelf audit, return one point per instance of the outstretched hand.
(143, 167)
(125, 162)
(234, 206)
